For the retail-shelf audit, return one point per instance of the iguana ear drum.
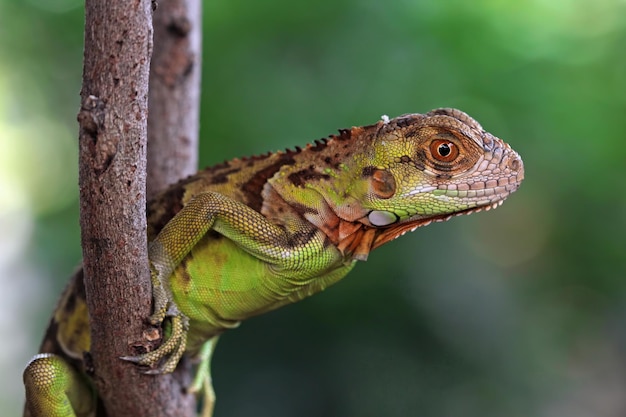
(383, 184)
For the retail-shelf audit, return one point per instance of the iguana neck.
(322, 188)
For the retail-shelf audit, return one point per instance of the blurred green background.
(517, 312)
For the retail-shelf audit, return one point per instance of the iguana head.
(430, 167)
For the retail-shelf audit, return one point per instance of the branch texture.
(174, 99)
(112, 140)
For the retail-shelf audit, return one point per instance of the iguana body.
(250, 235)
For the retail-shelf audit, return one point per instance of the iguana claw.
(174, 346)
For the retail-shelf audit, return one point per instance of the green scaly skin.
(250, 235)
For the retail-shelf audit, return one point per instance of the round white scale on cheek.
(382, 218)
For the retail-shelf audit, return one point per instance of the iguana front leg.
(251, 231)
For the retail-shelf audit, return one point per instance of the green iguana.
(250, 235)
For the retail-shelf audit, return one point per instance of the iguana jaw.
(365, 238)
(392, 232)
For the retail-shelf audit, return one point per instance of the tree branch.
(173, 127)
(112, 140)
(113, 131)
(174, 101)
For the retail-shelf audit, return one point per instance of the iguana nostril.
(515, 164)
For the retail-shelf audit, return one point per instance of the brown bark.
(173, 122)
(112, 141)
(174, 93)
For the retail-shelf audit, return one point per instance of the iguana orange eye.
(444, 150)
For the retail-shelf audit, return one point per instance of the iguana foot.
(202, 383)
(172, 349)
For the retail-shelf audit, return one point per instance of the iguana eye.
(444, 150)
